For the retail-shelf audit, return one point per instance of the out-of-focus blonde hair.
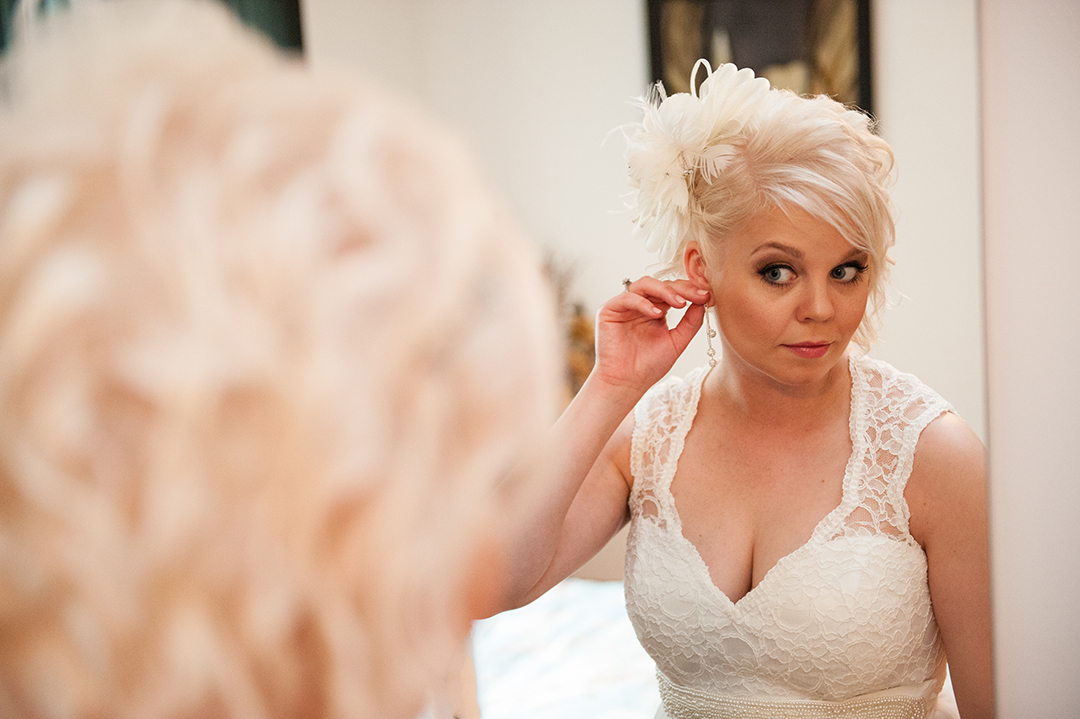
(267, 348)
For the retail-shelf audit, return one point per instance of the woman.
(808, 525)
(248, 464)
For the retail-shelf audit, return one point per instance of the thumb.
(688, 326)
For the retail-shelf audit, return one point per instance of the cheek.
(855, 309)
(748, 311)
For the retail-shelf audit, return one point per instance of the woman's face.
(789, 292)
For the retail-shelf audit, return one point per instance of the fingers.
(634, 302)
(673, 293)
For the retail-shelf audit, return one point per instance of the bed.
(572, 654)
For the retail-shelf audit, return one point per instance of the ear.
(694, 264)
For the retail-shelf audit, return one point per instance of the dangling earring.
(709, 334)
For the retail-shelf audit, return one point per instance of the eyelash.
(860, 270)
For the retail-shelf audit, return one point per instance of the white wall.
(926, 96)
(1031, 159)
(535, 88)
(377, 37)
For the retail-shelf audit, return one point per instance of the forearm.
(570, 454)
(585, 458)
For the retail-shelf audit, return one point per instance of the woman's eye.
(847, 273)
(777, 274)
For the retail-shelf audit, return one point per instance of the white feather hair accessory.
(681, 135)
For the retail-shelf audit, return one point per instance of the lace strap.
(662, 419)
(928, 407)
(893, 409)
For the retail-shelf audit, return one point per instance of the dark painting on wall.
(809, 46)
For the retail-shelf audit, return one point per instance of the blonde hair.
(817, 155)
(267, 349)
(770, 149)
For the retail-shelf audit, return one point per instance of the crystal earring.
(709, 334)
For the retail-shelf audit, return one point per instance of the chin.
(801, 373)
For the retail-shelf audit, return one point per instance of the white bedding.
(570, 654)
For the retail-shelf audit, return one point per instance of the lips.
(810, 350)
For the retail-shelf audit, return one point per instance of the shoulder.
(941, 460)
(947, 447)
(948, 455)
(948, 477)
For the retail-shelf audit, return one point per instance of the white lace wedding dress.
(841, 627)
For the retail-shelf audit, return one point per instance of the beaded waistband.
(685, 703)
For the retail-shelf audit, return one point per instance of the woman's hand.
(589, 447)
(634, 346)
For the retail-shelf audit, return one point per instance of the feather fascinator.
(680, 137)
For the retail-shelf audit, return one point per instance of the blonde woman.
(807, 524)
(268, 354)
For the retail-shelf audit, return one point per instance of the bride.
(808, 525)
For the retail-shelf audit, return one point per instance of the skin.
(764, 460)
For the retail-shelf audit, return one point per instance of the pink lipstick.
(810, 350)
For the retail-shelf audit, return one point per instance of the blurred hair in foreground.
(268, 353)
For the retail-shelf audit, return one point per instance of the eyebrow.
(778, 246)
(797, 253)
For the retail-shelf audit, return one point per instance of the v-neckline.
(831, 517)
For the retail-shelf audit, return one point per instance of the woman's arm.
(588, 449)
(947, 498)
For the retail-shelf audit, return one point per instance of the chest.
(802, 579)
(748, 499)
(834, 620)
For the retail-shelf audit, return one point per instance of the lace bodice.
(847, 614)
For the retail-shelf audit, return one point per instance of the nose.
(816, 303)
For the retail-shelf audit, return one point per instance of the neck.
(760, 399)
